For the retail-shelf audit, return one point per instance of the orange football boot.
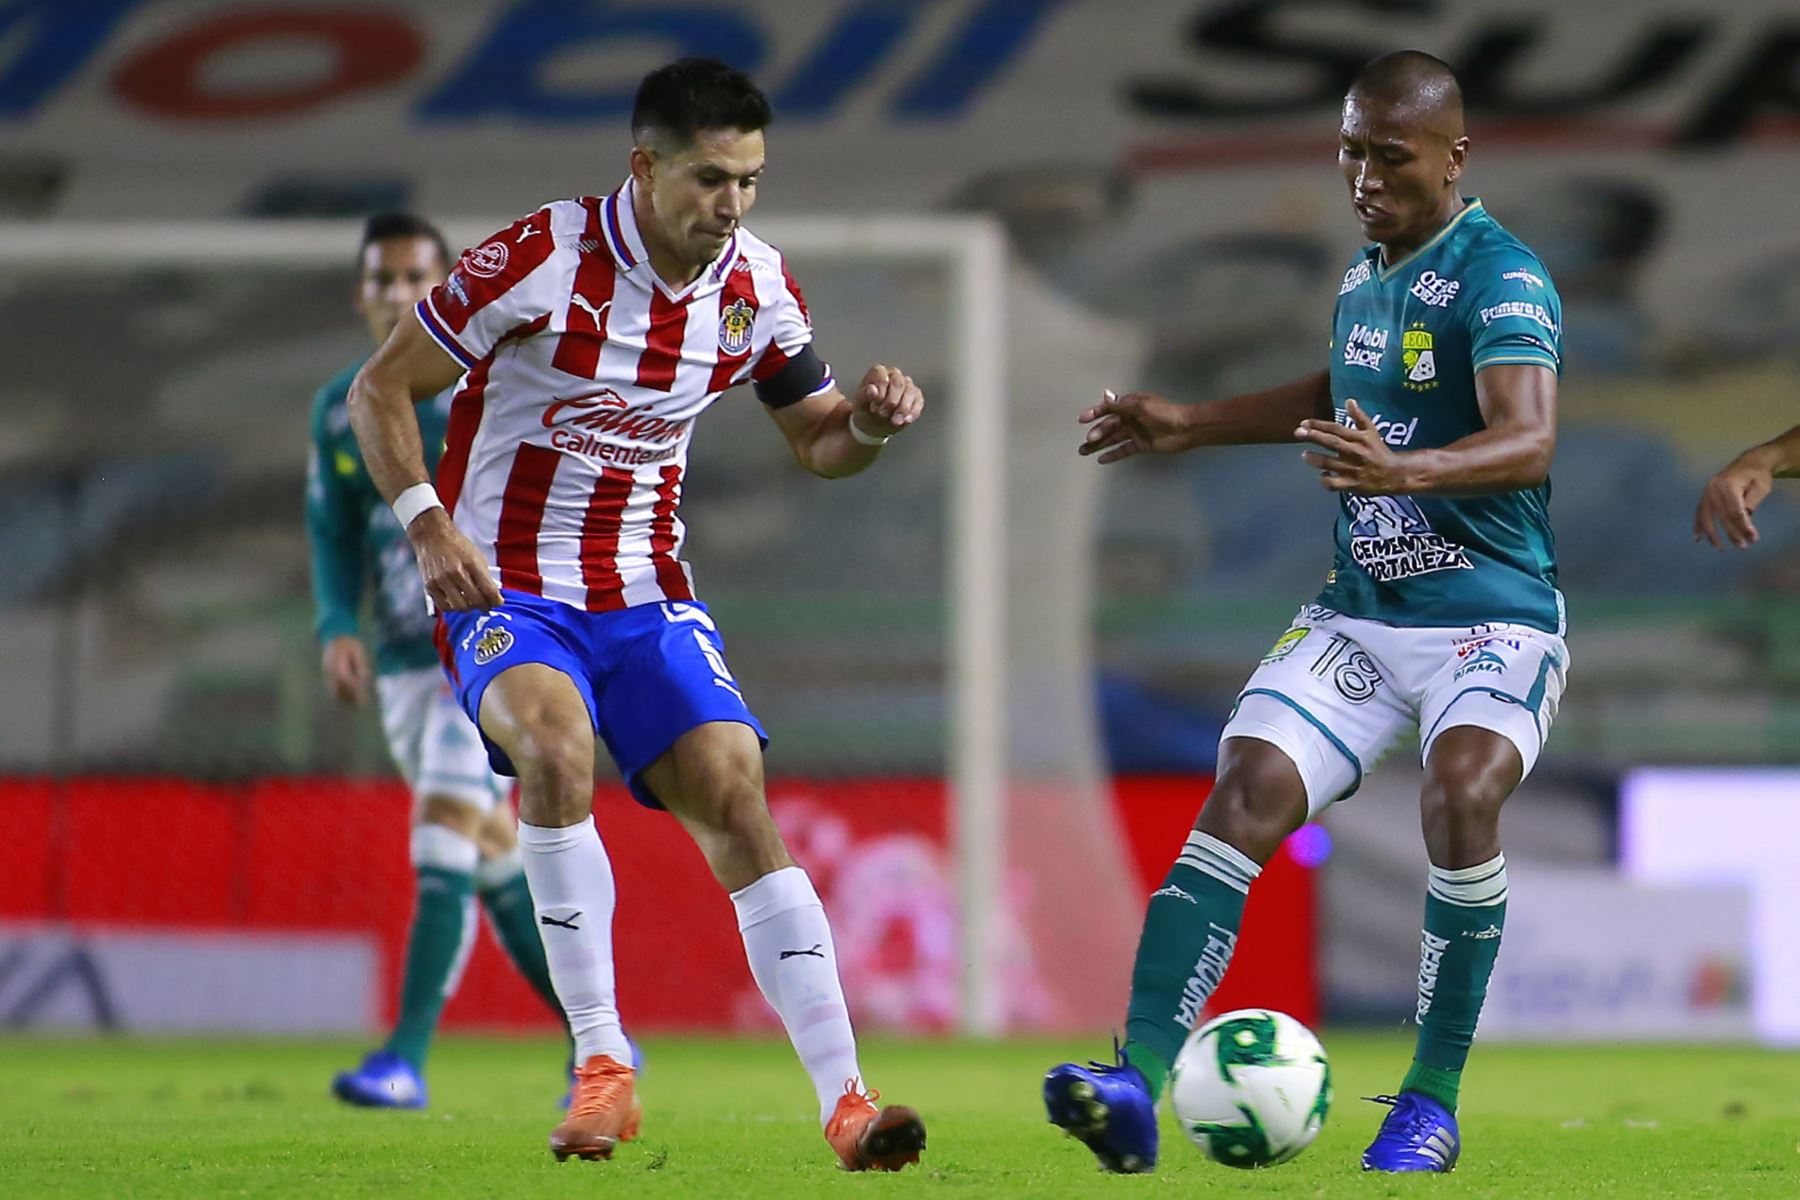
(871, 1139)
(603, 1111)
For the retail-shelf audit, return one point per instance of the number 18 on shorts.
(1335, 693)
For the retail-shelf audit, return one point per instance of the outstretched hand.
(1360, 460)
(1135, 423)
(1729, 499)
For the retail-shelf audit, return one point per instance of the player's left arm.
(1513, 451)
(823, 428)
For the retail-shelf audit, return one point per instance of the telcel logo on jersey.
(1435, 290)
(1365, 347)
(1418, 358)
(1394, 433)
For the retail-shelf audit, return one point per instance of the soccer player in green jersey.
(1434, 423)
(464, 845)
(1731, 496)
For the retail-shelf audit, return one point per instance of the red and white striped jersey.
(569, 433)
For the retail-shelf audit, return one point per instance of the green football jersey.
(1407, 341)
(357, 541)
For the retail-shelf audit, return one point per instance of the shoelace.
(1118, 1058)
(853, 1089)
(598, 1088)
(1417, 1119)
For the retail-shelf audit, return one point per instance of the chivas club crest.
(493, 642)
(735, 324)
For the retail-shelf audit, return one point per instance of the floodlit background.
(193, 836)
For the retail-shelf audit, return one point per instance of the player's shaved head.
(1417, 88)
(1401, 148)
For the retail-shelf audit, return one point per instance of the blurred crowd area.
(154, 610)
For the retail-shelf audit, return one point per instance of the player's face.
(1401, 172)
(396, 274)
(699, 194)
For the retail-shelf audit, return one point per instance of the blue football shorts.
(647, 674)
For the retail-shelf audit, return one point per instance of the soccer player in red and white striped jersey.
(584, 340)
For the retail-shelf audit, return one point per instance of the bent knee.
(1471, 770)
(1257, 801)
(553, 743)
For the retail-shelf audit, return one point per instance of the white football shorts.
(1335, 693)
(438, 751)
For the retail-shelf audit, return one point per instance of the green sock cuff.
(1155, 1069)
(1440, 1083)
(458, 883)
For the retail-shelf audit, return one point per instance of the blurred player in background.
(589, 336)
(1435, 425)
(463, 842)
(1733, 494)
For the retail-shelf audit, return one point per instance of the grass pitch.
(110, 1118)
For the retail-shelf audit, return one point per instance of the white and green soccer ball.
(1251, 1088)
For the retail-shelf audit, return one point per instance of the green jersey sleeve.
(1514, 314)
(334, 528)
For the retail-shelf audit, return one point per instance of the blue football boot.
(1109, 1108)
(383, 1080)
(1419, 1134)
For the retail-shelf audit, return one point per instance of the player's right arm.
(411, 366)
(1733, 494)
(1145, 423)
(334, 536)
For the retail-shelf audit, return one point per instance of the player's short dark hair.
(385, 226)
(674, 103)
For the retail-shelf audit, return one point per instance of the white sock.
(788, 943)
(572, 893)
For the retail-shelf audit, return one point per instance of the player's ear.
(643, 165)
(1459, 154)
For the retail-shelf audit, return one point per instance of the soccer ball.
(1251, 1088)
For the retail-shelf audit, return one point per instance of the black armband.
(798, 378)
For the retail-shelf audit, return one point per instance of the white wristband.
(867, 439)
(408, 505)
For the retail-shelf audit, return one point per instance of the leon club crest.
(735, 325)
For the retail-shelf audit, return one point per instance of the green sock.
(1465, 912)
(508, 904)
(1189, 932)
(442, 927)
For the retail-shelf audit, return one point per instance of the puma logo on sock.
(814, 952)
(545, 919)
